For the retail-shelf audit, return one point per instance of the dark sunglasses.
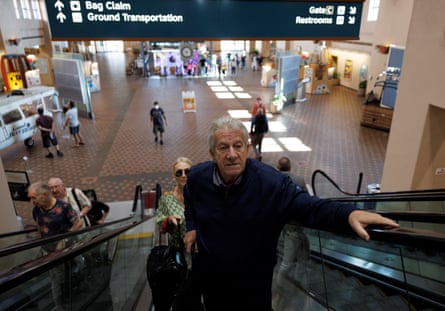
(179, 173)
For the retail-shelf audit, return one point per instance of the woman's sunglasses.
(179, 173)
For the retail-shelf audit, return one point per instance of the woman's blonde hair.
(181, 159)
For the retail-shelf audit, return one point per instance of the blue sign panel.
(204, 19)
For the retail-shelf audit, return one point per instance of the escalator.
(397, 269)
(105, 266)
(100, 267)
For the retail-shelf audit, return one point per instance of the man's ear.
(212, 154)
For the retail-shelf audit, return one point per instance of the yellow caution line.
(136, 236)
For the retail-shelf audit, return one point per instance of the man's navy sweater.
(238, 226)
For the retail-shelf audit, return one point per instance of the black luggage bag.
(166, 271)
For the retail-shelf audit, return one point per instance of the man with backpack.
(74, 196)
(157, 118)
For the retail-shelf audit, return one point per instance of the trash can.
(149, 202)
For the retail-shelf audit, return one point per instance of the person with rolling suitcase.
(168, 271)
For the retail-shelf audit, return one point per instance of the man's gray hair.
(40, 187)
(226, 122)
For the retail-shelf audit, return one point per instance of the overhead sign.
(204, 19)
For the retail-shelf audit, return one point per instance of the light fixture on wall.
(384, 49)
(13, 41)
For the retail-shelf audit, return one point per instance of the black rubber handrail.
(415, 216)
(336, 186)
(19, 247)
(15, 233)
(413, 195)
(137, 198)
(35, 267)
(422, 239)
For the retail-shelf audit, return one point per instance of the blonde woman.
(171, 204)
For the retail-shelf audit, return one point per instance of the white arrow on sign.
(59, 5)
(61, 17)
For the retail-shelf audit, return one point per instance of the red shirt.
(255, 108)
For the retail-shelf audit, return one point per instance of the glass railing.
(99, 274)
(21, 253)
(87, 267)
(429, 204)
(17, 237)
(398, 269)
(31, 246)
(344, 272)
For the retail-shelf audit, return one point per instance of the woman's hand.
(174, 220)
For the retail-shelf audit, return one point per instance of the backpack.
(85, 219)
(156, 114)
(166, 271)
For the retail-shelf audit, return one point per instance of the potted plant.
(362, 87)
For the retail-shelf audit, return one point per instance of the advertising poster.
(348, 69)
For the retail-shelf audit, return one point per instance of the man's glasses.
(179, 173)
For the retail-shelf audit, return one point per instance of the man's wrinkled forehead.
(228, 134)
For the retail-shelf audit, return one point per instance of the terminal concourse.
(119, 152)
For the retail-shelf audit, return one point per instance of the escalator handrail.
(412, 237)
(137, 198)
(423, 239)
(418, 238)
(19, 247)
(396, 196)
(318, 171)
(24, 272)
(15, 233)
(419, 195)
(415, 216)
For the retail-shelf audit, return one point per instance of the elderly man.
(53, 217)
(78, 200)
(235, 209)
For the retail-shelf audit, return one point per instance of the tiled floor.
(120, 151)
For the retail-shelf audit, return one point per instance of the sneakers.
(50, 155)
(162, 142)
(156, 139)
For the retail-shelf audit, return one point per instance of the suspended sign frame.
(203, 19)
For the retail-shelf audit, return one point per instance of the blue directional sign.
(203, 19)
